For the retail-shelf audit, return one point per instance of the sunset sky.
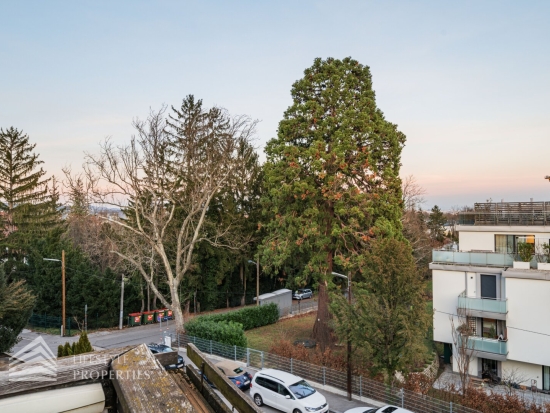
(468, 82)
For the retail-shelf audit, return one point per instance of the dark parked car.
(235, 373)
(161, 348)
(302, 293)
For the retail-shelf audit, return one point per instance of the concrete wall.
(527, 370)
(483, 238)
(528, 309)
(447, 285)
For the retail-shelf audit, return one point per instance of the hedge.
(228, 328)
(222, 332)
(249, 317)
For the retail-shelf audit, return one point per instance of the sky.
(467, 82)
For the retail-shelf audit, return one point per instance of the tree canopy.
(331, 176)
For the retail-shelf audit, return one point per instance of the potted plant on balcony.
(546, 257)
(526, 251)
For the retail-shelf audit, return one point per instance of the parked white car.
(286, 392)
(383, 409)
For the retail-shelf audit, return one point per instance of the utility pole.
(258, 282)
(349, 341)
(63, 289)
(348, 278)
(121, 304)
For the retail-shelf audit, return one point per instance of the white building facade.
(505, 302)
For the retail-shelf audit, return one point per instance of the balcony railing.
(472, 258)
(507, 213)
(488, 345)
(489, 305)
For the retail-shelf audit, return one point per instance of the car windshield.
(302, 389)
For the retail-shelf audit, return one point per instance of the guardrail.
(362, 387)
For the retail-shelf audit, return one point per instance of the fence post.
(402, 397)
(262, 354)
(69, 326)
(235, 352)
(247, 357)
(324, 382)
(360, 387)
(450, 407)
(291, 366)
(210, 347)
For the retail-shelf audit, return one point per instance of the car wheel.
(296, 411)
(258, 400)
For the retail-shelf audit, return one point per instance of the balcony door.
(488, 286)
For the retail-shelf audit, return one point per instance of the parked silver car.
(302, 293)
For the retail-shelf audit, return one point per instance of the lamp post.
(62, 261)
(349, 338)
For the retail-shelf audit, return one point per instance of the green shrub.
(223, 332)
(84, 345)
(526, 251)
(60, 350)
(67, 351)
(249, 317)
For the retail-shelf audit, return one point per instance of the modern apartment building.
(504, 302)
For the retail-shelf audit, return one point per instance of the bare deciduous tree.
(512, 378)
(464, 350)
(164, 181)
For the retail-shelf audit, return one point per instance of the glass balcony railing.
(483, 304)
(488, 345)
(472, 258)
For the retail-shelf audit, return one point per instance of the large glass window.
(489, 327)
(508, 244)
(546, 378)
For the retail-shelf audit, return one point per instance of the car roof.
(282, 376)
(228, 364)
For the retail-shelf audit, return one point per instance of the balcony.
(483, 307)
(488, 348)
(472, 258)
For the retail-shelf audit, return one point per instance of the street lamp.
(62, 261)
(349, 338)
(257, 279)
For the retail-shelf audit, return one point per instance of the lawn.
(290, 329)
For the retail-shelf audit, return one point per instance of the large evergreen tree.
(28, 201)
(332, 177)
(388, 319)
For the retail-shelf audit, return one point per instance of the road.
(153, 333)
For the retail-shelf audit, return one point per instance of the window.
(508, 244)
(268, 384)
(302, 389)
(488, 286)
(489, 328)
(545, 378)
(284, 391)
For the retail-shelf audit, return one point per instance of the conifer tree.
(29, 202)
(332, 177)
(60, 351)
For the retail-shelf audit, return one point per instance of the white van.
(286, 392)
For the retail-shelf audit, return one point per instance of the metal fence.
(303, 306)
(361, 386)
(73, 325)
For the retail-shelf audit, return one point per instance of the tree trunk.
(243, 281)
(142, 296)
(148, 297)
(321, 330)
(176, 309)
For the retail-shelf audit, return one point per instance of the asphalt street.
(153, 333)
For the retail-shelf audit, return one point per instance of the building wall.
(528, 309)
(473, 239)
(473, 367)
(447, 285)
(527, 370)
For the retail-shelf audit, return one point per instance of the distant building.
(483, 282)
